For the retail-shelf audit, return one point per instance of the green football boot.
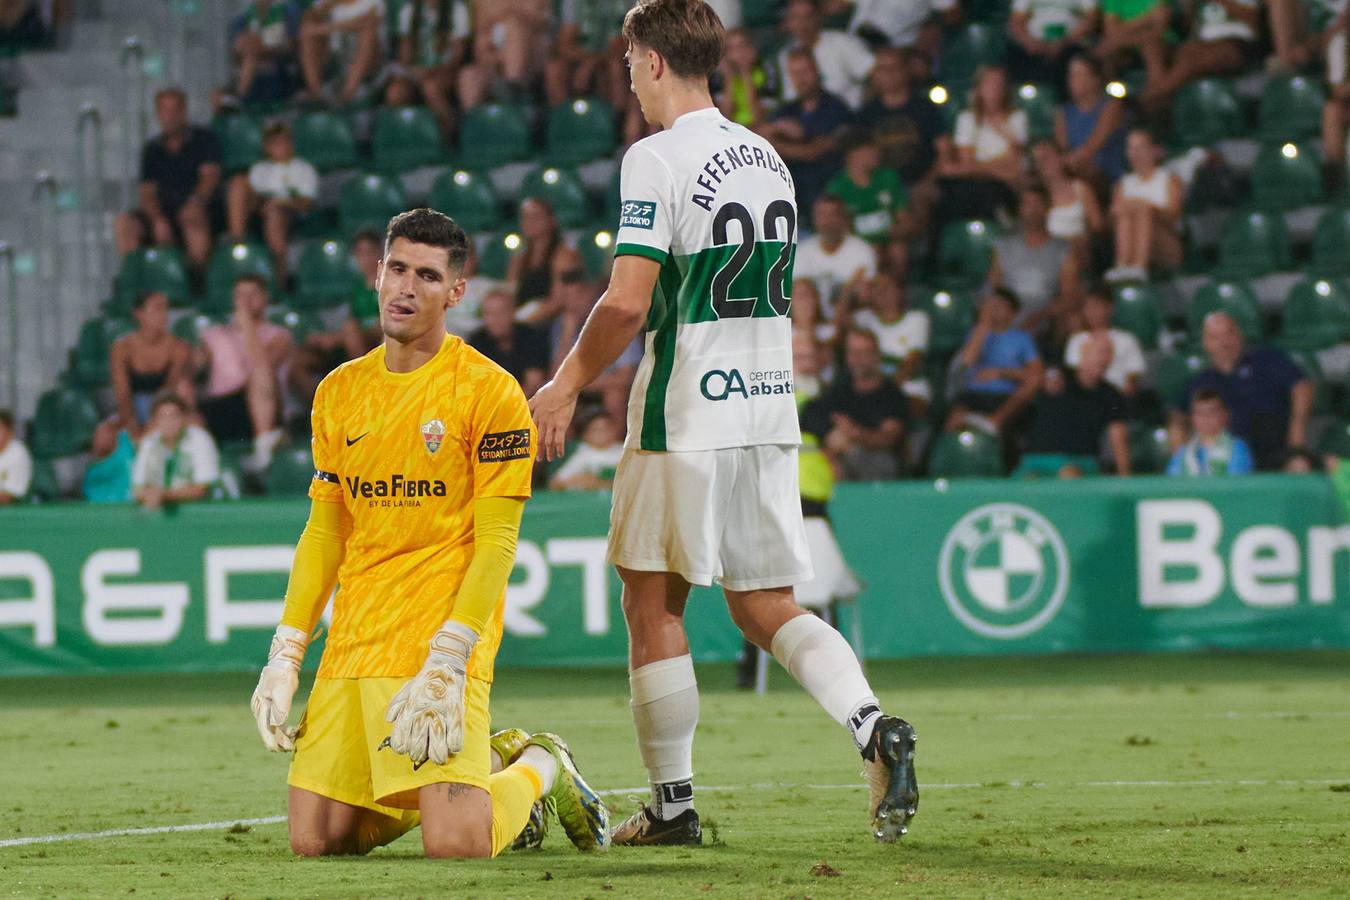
(580, 810)
(508, 744)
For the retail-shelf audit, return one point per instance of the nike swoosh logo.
(351, 441)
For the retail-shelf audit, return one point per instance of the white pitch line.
(766, 786)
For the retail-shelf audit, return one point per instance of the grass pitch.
(1112, 777)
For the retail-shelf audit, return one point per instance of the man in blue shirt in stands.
(999, 368)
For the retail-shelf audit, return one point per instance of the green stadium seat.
(1316, 315)
(368, 201)
(290, 472)
(496, 253)
(1286, 176)
(966, 454)
(965, 252)
(597, 252)
(301, 324)
(493, 134)
(228, 263)
(468, 198)
(1254, 243)
(1331, 241)
(1039, 102)
(1291, 108)
(325, 276)
(762, 13)
(1149, 451)
(152, 269)
(95, 341)
(579, 131)
(1232, 297)
(951, 314)
(1335, 438)
(1138, 312)
(1206, 111)
(45, 486)
(63, 424)
(325, 140)
(1173, 372)
(190, 327)
(563, 191)
(966, 48)
(405, 138)
(240, 137)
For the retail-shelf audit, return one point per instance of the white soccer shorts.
(731, 516)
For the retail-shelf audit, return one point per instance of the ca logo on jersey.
(1003, 571)
(637, 214)
(433, 434)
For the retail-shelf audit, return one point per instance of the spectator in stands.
(1130, 26)
(1146, 212)
(1071, 415)
(511, 42)
(176, 462)
(543, 255)
(1126, 361)
(518, 348)
(998, 369)
(806, 130)
(148, 361)
(1090, 126)
(577, 295)
(346, 35)
(433, 43)
(861, 418)
(1044, 34)
(1268, 396)
(1222, 37)
(108, 477)
(1336, 111)
(898, 23)
(833, 258)
(590, 467)
(1304, 32)
(748, 87)
(982, 163)
(180, 182)
(1212, 449)
(16, 465)
(263, 41)
(588, 53)
(1075, 215)
(466, 316)
(842, 59)
(361, 332)
(243, 361)
(904, 121)
(806, 368)
(902, 336)
(1041, 270)
(875, 197)
(806, 314)
(280, 189)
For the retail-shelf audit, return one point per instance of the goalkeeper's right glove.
(277, 685)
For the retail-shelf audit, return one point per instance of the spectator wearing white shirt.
(590, 467)
(902, 335)
(176, 462)
(900, 23)
(981, 164)
(352, 31)
(16, 466)
(833, 258)
(844, 60)
(1045, 33)
(280, 189)
(1126, 366)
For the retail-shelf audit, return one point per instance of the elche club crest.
(433, 435)
(1003, 570)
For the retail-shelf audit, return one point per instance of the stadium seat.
(1232, 297)
(966, 48)
(1291, 108)
(91, 361)
(580, 131)
(325, 276)
(1206, 111)
(1173, 372)
(1254, 243)
(966, 454)
(190, 327)
(1316, 315)
(562, 190)
(1335, 439)
(152, 269)
(405, 138)
(1039, 102)
(301, 324)
(325, 140)
(1149, 452)
(950, 317)
(240, 137)
(762, 13)
(368, 201)
(45, 486)
(1286, 176)
(965, 251)
(63, 424)
(1330, 243)
(493, 134)
(495, 255)
(1137, 311)
(468, 198)
(290, 472)
(228, 263)
(597, 252)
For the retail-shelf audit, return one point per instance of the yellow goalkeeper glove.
(428, 712)
(276, 687)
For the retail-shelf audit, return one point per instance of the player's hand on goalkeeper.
(428, 712)
(276, 687)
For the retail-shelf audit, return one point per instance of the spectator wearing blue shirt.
(108, 478)
(999, 367)
(1269, 398)
(806, 132)
(1213, 450)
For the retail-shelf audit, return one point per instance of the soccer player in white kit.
(706, 490)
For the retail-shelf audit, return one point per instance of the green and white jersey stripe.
(713, 203)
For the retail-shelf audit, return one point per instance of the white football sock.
(823, 663)
(665, 714)
(543, 764)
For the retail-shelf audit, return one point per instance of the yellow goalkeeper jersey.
(408, 453)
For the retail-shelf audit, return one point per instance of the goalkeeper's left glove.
(428, 712)
(276, 686)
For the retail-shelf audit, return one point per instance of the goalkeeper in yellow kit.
(424, 450)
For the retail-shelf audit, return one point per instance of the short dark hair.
(171, 91)
(864, 333)
(274, 129)
(1008, 296)
(687, 34)
(144, 297)
(6, 418)
(1088, 60)
(368, 236)
(254, 278)
(436, 229)
(169, 398)
(1101, 292)
(1206, 395)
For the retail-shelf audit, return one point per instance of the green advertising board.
(1137, 564)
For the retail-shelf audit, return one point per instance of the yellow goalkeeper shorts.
(337, 750)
